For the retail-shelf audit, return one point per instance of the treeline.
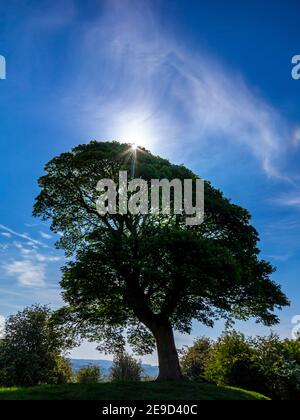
(263, 364)
(34, 351)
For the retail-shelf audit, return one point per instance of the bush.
(290, 376)
(90, 374)
(194, 359)
(126, 368)
(279, 363)
(265, 364)
(289, 381)
(232, 362)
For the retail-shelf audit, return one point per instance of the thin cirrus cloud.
(291, 199)
(45, 235)
(129, 78)
(140, 84)
(6, 234)
(29, 266)
(27, 272)
(22, 236)
(34, 255)
(31, 269)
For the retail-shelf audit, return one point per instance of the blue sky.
(207, 84)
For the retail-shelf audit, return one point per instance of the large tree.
(148, 275)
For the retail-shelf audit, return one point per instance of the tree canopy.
(146, 275)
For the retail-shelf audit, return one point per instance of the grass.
(129, 391)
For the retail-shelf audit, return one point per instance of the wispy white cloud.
(280, 257)
(139, 81)
(22, 245)
(23, 236)
(166, 95)
(49, 294)
(6, 234)
(45, 235)
(29, 266)
(27, 272)
(18, 245)
(290, 199)
(46, 258)
(32, 254)
(26, 251)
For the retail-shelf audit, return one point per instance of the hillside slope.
(129, 391)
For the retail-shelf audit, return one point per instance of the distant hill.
(105, 365)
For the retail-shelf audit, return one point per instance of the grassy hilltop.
(129, 391)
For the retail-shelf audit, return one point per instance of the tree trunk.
(169, 368)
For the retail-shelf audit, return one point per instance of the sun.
(136, 128)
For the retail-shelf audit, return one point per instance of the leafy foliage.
(279, 363)
(149, 274)
(125, 368)
(88, 375)
(264, 364)
(194, 359)
(31, 351)
(232, 362)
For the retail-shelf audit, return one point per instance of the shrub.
(279, 363)
(194, 359)
(263, 364)
(90, 374)
(232, 362)
(289, 381)
(126, 368)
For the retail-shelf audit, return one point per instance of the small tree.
(62, 372)
(32, 350)
(90, 374)
(126, 368)
(194, 359)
